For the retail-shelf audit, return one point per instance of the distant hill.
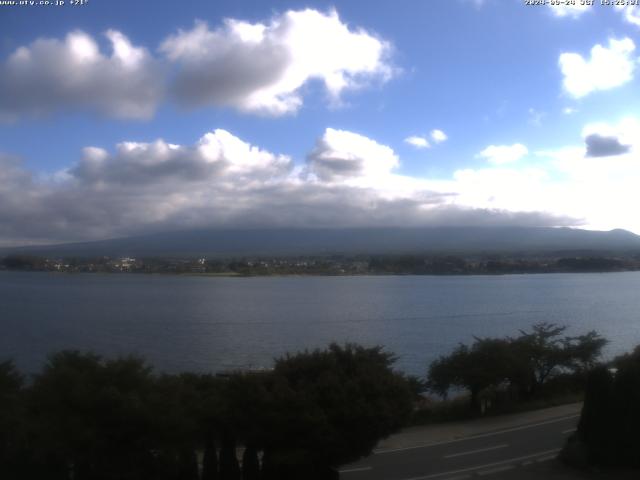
(292, 242)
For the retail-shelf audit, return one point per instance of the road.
(477, 455)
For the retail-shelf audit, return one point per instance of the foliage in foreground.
(607, 433)
(519, 366)
(84, 417)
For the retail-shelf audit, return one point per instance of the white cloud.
(631, 13)
(602, 187)
(573, 11)
(595, 181)
(502, 154)
(417, 141)
(261, 67)
(342, 155)
(569, 110)
(608, 67)
(421, 141)
(503, 187)
(217, 155)
(438, 136)
(50, 75)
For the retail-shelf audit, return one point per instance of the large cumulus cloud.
(261, 67)
(252, 67)
(607, 67)
(341, 155)
(73, 73)
(216, 155)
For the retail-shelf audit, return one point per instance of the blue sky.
(539, 122)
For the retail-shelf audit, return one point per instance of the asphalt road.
(480, 455)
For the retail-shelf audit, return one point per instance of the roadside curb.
(416, 437)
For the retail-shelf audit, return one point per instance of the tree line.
(84, 417)
(520, 367)
(432, 264)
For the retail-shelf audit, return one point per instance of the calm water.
(200, 323)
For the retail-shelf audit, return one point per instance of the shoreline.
(304, 275)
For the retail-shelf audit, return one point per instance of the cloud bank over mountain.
(223, 181)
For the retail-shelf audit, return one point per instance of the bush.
(88, 418)
(531, 366)
(610, 421)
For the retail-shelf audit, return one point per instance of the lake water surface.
(211, 323)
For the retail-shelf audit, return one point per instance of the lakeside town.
(328, 265)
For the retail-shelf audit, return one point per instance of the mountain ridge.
(325, 241)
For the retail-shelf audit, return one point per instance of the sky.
(119, 118)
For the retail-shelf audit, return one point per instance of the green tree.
(583, 352)
(522, 364)
(488, 362)
(543, 352)
(330, 407)
(90, 416)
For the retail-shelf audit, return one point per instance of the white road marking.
(496, 470)
(473, 437)
(358, 469)
(488, 465)
(546, 458)
(570, 430)
(480, 450)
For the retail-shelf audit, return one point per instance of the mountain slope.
(347, 241)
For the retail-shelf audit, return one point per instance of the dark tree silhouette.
(487, 362)
(11, 419)
(331, 407)
(210, 460)
(89, 416)
(229, 466)
(607, 433)
(250, 464)
(523, 364)
(595, 425)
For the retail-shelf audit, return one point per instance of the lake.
(212, 323)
